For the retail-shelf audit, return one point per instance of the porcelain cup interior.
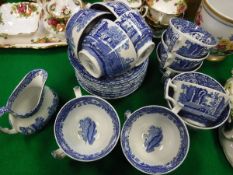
(160, 12)
(87, 128)
(188, 39)
(139, 32)
(146, 137)
(219, 14)
(27, 97)
(107, 50)
(36, 121)
(193, 119)
(117, 8)
(79, 24)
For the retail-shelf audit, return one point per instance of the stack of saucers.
(109, 45)
(183, 47)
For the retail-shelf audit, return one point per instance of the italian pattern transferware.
(36, 121)
(146, 146)
(198, 120)
(27, 97)
(44, 29)
(111, 47)
(187, 39)
(86, 129)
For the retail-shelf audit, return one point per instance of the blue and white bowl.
(187, 39)
(146, 139)
(139, 32)
(116, 8)
(87, 128)
(36, 121)
(27, 97)
(191, 118)
(107, 50)
(81, 22)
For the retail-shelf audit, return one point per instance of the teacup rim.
(177, 118)
(78, 98)
(178, 55)
(190, 37)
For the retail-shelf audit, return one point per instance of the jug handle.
(58, 154)
(8, 131)
(177, 106)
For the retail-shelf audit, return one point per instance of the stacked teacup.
(183, 47)
(109, 46)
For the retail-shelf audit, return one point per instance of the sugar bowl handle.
(58, 154)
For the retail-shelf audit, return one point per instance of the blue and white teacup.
(107, 50)
(139, 32)
(86, 129)
(176, 61)
(81, 22)
(116, 8)
(199, 99)
(146, 139)
(27, 97)
(187, 39)
(36, 121)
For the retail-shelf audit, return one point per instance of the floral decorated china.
(46, 31)
(187, 39)
(28, 96)
(117, 8)
(107, 50)
(218, 14)
(146, 139)
(190, 117)
(161, 11)
(80, 23)
(37, 120)
(139, 32)
(86, 129)
(21, 16)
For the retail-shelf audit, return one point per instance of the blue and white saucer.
(87, 128)
(154, 140)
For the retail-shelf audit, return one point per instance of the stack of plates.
(109, 88)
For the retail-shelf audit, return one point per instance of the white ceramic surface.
(19, 18)
(218, 14)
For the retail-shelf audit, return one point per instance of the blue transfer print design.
(105, 41)
(79, 21)
(64, 113)
(153, 138)
(190, 48)
(23, 84)
(88, 130)
(118, 7)
(199, 101)
(40, 122)
(178, 64)
(135, 161)
(203, 80)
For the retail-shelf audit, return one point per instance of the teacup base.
(215, 58)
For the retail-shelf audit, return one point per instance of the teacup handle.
(58, 154)
(170, 58)
(8, 131)
(77, 91)
(127, 114)
(177, 106)
(144, 10)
